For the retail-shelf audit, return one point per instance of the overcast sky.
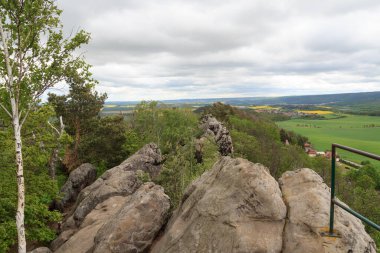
(169, 49)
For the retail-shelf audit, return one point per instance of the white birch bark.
(20, 216)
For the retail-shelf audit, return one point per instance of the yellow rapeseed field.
(263, 107)
(316, 112)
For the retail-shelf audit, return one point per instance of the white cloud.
(207, 48)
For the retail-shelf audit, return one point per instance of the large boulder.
(148, 159)
(117, 213)
(235, 207)
(118, 181)
(78, 179)
(136, 224)
(308, 202)
(212, 126)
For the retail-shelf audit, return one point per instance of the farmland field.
(361, 132)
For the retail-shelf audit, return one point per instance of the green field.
(361, 132)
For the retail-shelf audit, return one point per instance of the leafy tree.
(34, 57)
(78, 108)
(38, 143)
(104, 143)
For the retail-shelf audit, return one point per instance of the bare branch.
(26, 115)
(62, 125)
(7, 62)
(6, 110)
(54, 128)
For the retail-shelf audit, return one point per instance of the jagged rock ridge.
(211, 126)
(117, 213)
(235, 207)
(238, 207)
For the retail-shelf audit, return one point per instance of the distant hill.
(333, 99)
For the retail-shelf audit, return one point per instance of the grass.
(361, 132)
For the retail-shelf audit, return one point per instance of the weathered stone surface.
(114, 182)
(41, 250)
(78, 179)
(308, 202)
(83, 240)
(235, 207)
(123, 214)
(222, 136)
(137, 223)
(147, 159)
(119, 180)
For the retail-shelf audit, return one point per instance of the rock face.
(78, 179)
(147, 159)
(238, 207)
(235, 207)
(308, 201)
(117, 213)
(221, 134)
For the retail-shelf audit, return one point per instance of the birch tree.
(34, 56)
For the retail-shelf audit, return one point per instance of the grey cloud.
(206, 48)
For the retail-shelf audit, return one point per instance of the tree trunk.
(53, 162)
(20, 217)
(55, 155)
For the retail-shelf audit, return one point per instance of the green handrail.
(333, 200)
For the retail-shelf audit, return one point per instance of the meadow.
(357, 131)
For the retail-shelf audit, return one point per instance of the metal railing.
(334, 201)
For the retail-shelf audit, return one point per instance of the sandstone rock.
(308, 202)
(82, 240)
(222, 136)
(78, 179)
(121, 213)
(114, 182)
(137, 223)
(119, 180)
(41, 250)
(147, 159)
(235, 207)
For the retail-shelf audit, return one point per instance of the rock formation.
(117, 213)
(308, 202)
(235, 207)
(78, 179)
(212, 126)
(238, 207)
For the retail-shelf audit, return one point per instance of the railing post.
(333, 159)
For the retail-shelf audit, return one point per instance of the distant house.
(307, 146)
(311, 152)
(321, 153)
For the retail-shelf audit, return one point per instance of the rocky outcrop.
(78, 179)
(117, 213)
(308, 202)
(148, 159)
(235, 207)
(212, 126)
(238, 207)
(136, 224)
